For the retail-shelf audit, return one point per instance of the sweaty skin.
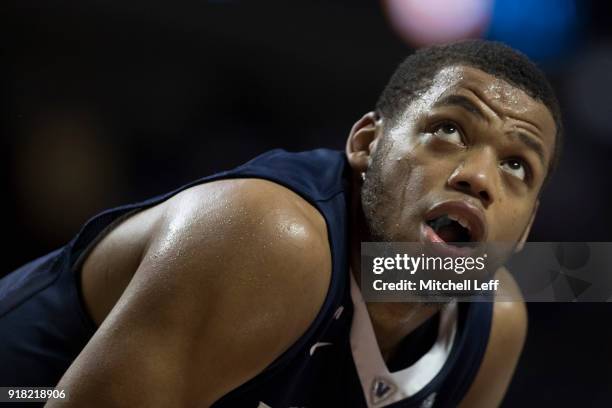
(240, 268)
(413, 163)
(223, 284)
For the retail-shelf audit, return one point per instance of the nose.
(475, 176)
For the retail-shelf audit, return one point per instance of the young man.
(238, 289)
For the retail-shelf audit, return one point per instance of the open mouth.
(457, 223)
(452, 229)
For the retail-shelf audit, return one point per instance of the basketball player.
(240, 289)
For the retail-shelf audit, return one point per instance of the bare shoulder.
(244, 224)
(250, 222)
(219, 219)
(247, 203)
(507, 337)
(254, 255)
(236, 268)
(265, 233)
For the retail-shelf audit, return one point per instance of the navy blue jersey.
(44, 325)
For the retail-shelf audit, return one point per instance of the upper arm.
(508, 332)
(236, 273)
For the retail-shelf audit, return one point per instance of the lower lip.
(428, 235)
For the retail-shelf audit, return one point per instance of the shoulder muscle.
(235, 273)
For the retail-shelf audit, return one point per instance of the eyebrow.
(465, 103)
(462, 102)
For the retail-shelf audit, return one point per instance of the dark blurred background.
(110, 102)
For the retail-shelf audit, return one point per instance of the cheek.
(406, 172)
(410, 178)
(403, 141)
(510, 224)
(416, 169)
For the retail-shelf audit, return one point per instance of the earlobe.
(521, 243)
(362, 141)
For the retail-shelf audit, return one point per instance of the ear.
(362, 141)
(521, 242)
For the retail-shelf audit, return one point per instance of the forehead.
(497, 96)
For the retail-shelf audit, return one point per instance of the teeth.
(460, 220)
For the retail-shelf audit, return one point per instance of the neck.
(392, 321)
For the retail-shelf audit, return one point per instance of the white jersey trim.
(371, 367)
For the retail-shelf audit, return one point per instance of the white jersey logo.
(381, 390)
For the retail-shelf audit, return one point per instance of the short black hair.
(416, 73)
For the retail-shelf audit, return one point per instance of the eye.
(449, 132)
(515, 167)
